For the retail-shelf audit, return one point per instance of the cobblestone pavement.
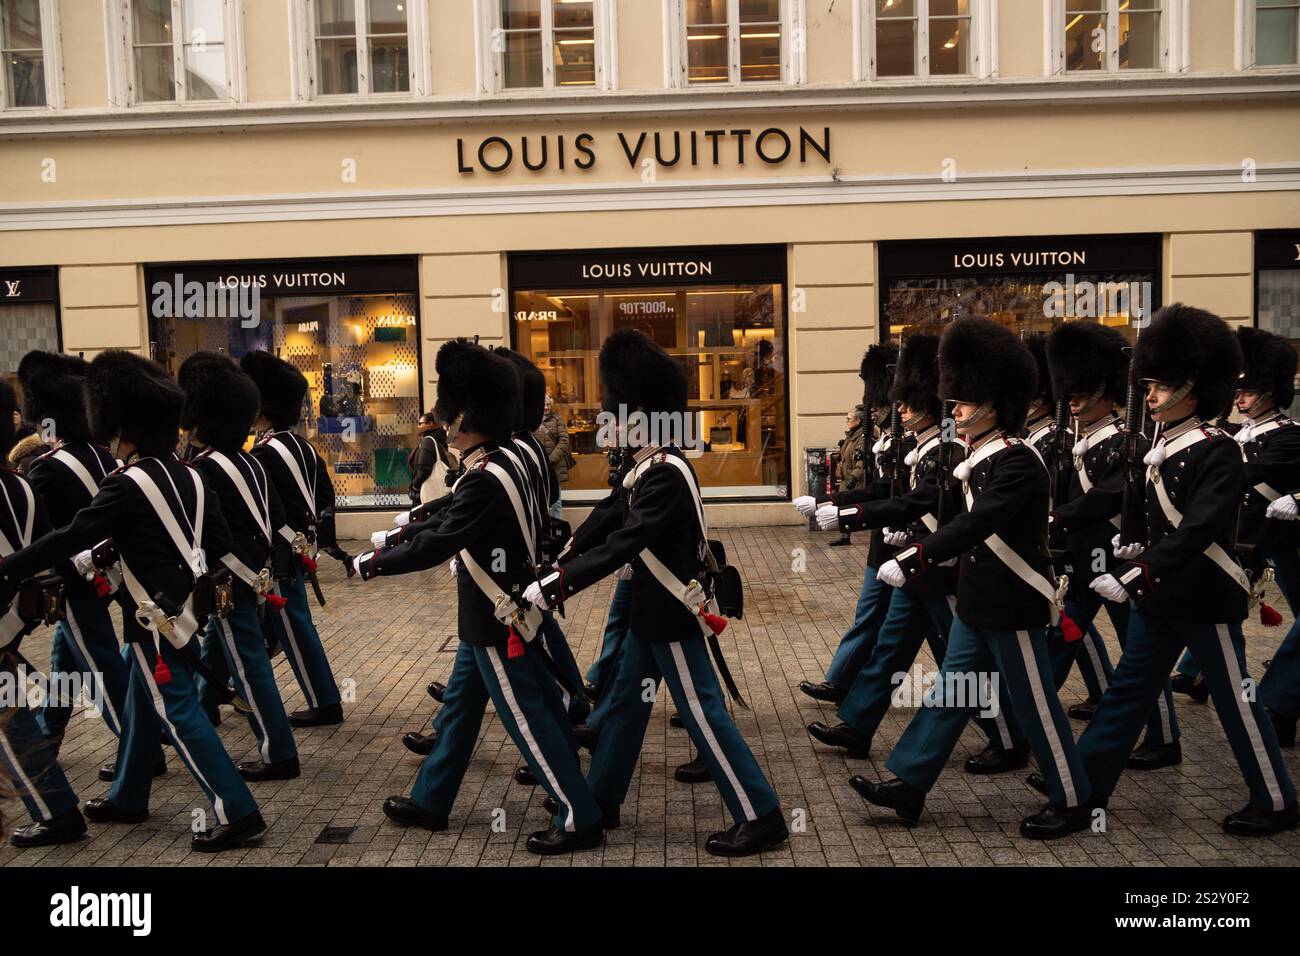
(390, 637)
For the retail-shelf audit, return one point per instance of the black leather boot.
(436, 690)
(1193, 687)
(675, 720)
(280, 770)
(553, 841)
(828, 693)
(841, 541)
(1036, 781)
(317, 716)
(1083, 710)
(105, 811)
(525, 777)
(245, 830)
(408, 813)
(1252, 822)
(1284, 727)
(750, 837)
(418, 743)
(993, 760)
(902, 798)
(109, 770)
(697, 771)
(842, 736)
(609, 812)
(1052, 822)
(587, 738)
(1152, 756)
(64, 828)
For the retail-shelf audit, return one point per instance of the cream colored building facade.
(1202, 151)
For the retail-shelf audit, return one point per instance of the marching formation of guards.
(1013, 490)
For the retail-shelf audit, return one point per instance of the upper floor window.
(359, 47)
(547, 44)
(1271, 33)
(736, 41)
(920, 38)
(175, 51)
(1113, 35)
(29, 38)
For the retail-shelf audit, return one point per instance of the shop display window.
(1277, 286)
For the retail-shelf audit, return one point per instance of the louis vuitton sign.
(28, 285)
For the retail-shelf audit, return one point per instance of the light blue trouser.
(172, 708)
(911, 620)
(296, 633)
(557, 645)
(1023, 666)
(601, 672)
(1143, 669)
(1279, 688)
(694, 686)
(85, 643)
(1093, 659)
(238, 641)
(1162, 725)
(538, 729)
(857, 642)
(30, 760)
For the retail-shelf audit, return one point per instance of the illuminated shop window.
(1111, 35)
(550, 44)
(920, 37)
(29, 318)
(1277, 286)
(734, 41)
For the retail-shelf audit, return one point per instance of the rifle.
(895, 467)
(1062, 454)
(1132, 515)
(947, 466)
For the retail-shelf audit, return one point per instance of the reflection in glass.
(1085, 39)
(336, 63)
(1277, 31)
(1279, 291)
(1139, 38)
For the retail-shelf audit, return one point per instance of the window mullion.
(363, 48)
(921, 57)
(733, 45)
(1112, 35)
(547, 44)
(178, 52)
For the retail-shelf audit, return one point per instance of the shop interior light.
(576, 42)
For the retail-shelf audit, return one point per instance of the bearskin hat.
(532, 394)
(876, 374)
(637, 373)
(280, 385)
(916, 381)
(221, 401)
(1184, 343)
(1087, 356)
(1270, 364)
(481, 386)
(981, 361)
(8, 434)
(1037, 345)
(135, 398)
(52, 393)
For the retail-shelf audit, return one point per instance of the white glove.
(1110, 589)
(454, 567)
(1125, 552)
(805, 505)
(85, 565)
(828, 517)
(533, 595)
(378, 539)
(895, 538)
(1283, 509)
(891, 574)
(403, 519)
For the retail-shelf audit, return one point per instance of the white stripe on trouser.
(1094, 658)
(302, 670)
(1248, 718)
(11, 759)
(229, 637)
(75, 630)
(565, 698)
(1045, 718)
(218, 807)
(706, 730)
(1166, 727)
(999, 721)
(526, 733)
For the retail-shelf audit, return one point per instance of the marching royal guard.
(1271, 443)
(27, 757)
(1006, 593)
(166, 525)
(664, 538)
(611, 512)
(877, 374)
(1089, 366)
(221, 403)
(486, 528)
(1187, 588)
(66, 479)
(303, 482)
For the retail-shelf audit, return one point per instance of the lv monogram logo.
(11, 287)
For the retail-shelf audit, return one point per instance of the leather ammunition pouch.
(724, 581)
(283, 560)
(213, 594)
(40, 600)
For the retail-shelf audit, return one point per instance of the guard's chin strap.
(1091, 402)
(454, 428)
(1252, 413)
(1178, 394)
(910, 423)
(977, 416)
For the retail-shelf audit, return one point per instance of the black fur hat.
(481, 386)
(1184, 343)
(1037, 345)
(1086, 356)
(877, 377)
(221, 400)
(532, 395)
(1270, 364)
(636, 372)
(52, 392)
(917, 379)
(983, 361)
(280, 385)
(8, 434)
(135, 398)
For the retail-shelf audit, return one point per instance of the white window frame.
(52, 58)
(983, 41)
(1175, 41)
(794, 47)
(1245, 47)
(491, 51)
(304, 60)
(121, 57)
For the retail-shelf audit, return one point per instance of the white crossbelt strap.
(183, 628)
(542, 468)
(1214, 552)
(521, 514)
(290, 459)
(1033, 437)
(11, 623)
(1268, 491)
(1092, 440)
(74, 465)
(532, 616)
(188, 550)
(258, 507)
(531, 509)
